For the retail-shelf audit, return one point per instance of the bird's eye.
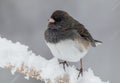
(58, 19)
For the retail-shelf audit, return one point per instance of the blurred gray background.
(26, 20)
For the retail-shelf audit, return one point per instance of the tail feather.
(97, 42)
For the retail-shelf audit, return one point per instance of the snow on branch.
(17, 57)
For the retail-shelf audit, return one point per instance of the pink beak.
(51, 20)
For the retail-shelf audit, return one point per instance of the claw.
(80, 72)
(64, 63)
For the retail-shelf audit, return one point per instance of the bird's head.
(59, 19)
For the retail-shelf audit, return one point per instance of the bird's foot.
(80, 72)
(64, 63)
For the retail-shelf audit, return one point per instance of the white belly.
(68, 50)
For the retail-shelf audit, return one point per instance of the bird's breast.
(68, 50)
(55, 36)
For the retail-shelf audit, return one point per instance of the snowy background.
(26, 20)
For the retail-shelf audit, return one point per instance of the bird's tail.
(97, 42)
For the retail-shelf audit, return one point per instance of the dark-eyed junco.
(68, 39)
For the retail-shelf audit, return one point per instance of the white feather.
(98, 43)
(68, 50)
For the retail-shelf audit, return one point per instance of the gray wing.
(85, 34)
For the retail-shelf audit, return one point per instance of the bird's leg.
(64, 63)
(81, 69)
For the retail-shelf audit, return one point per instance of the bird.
(67, 38)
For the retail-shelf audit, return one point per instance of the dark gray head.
(59, 19)
(59, 24)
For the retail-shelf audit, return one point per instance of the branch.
(17, 57)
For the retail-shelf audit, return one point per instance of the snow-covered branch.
(17, 57)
